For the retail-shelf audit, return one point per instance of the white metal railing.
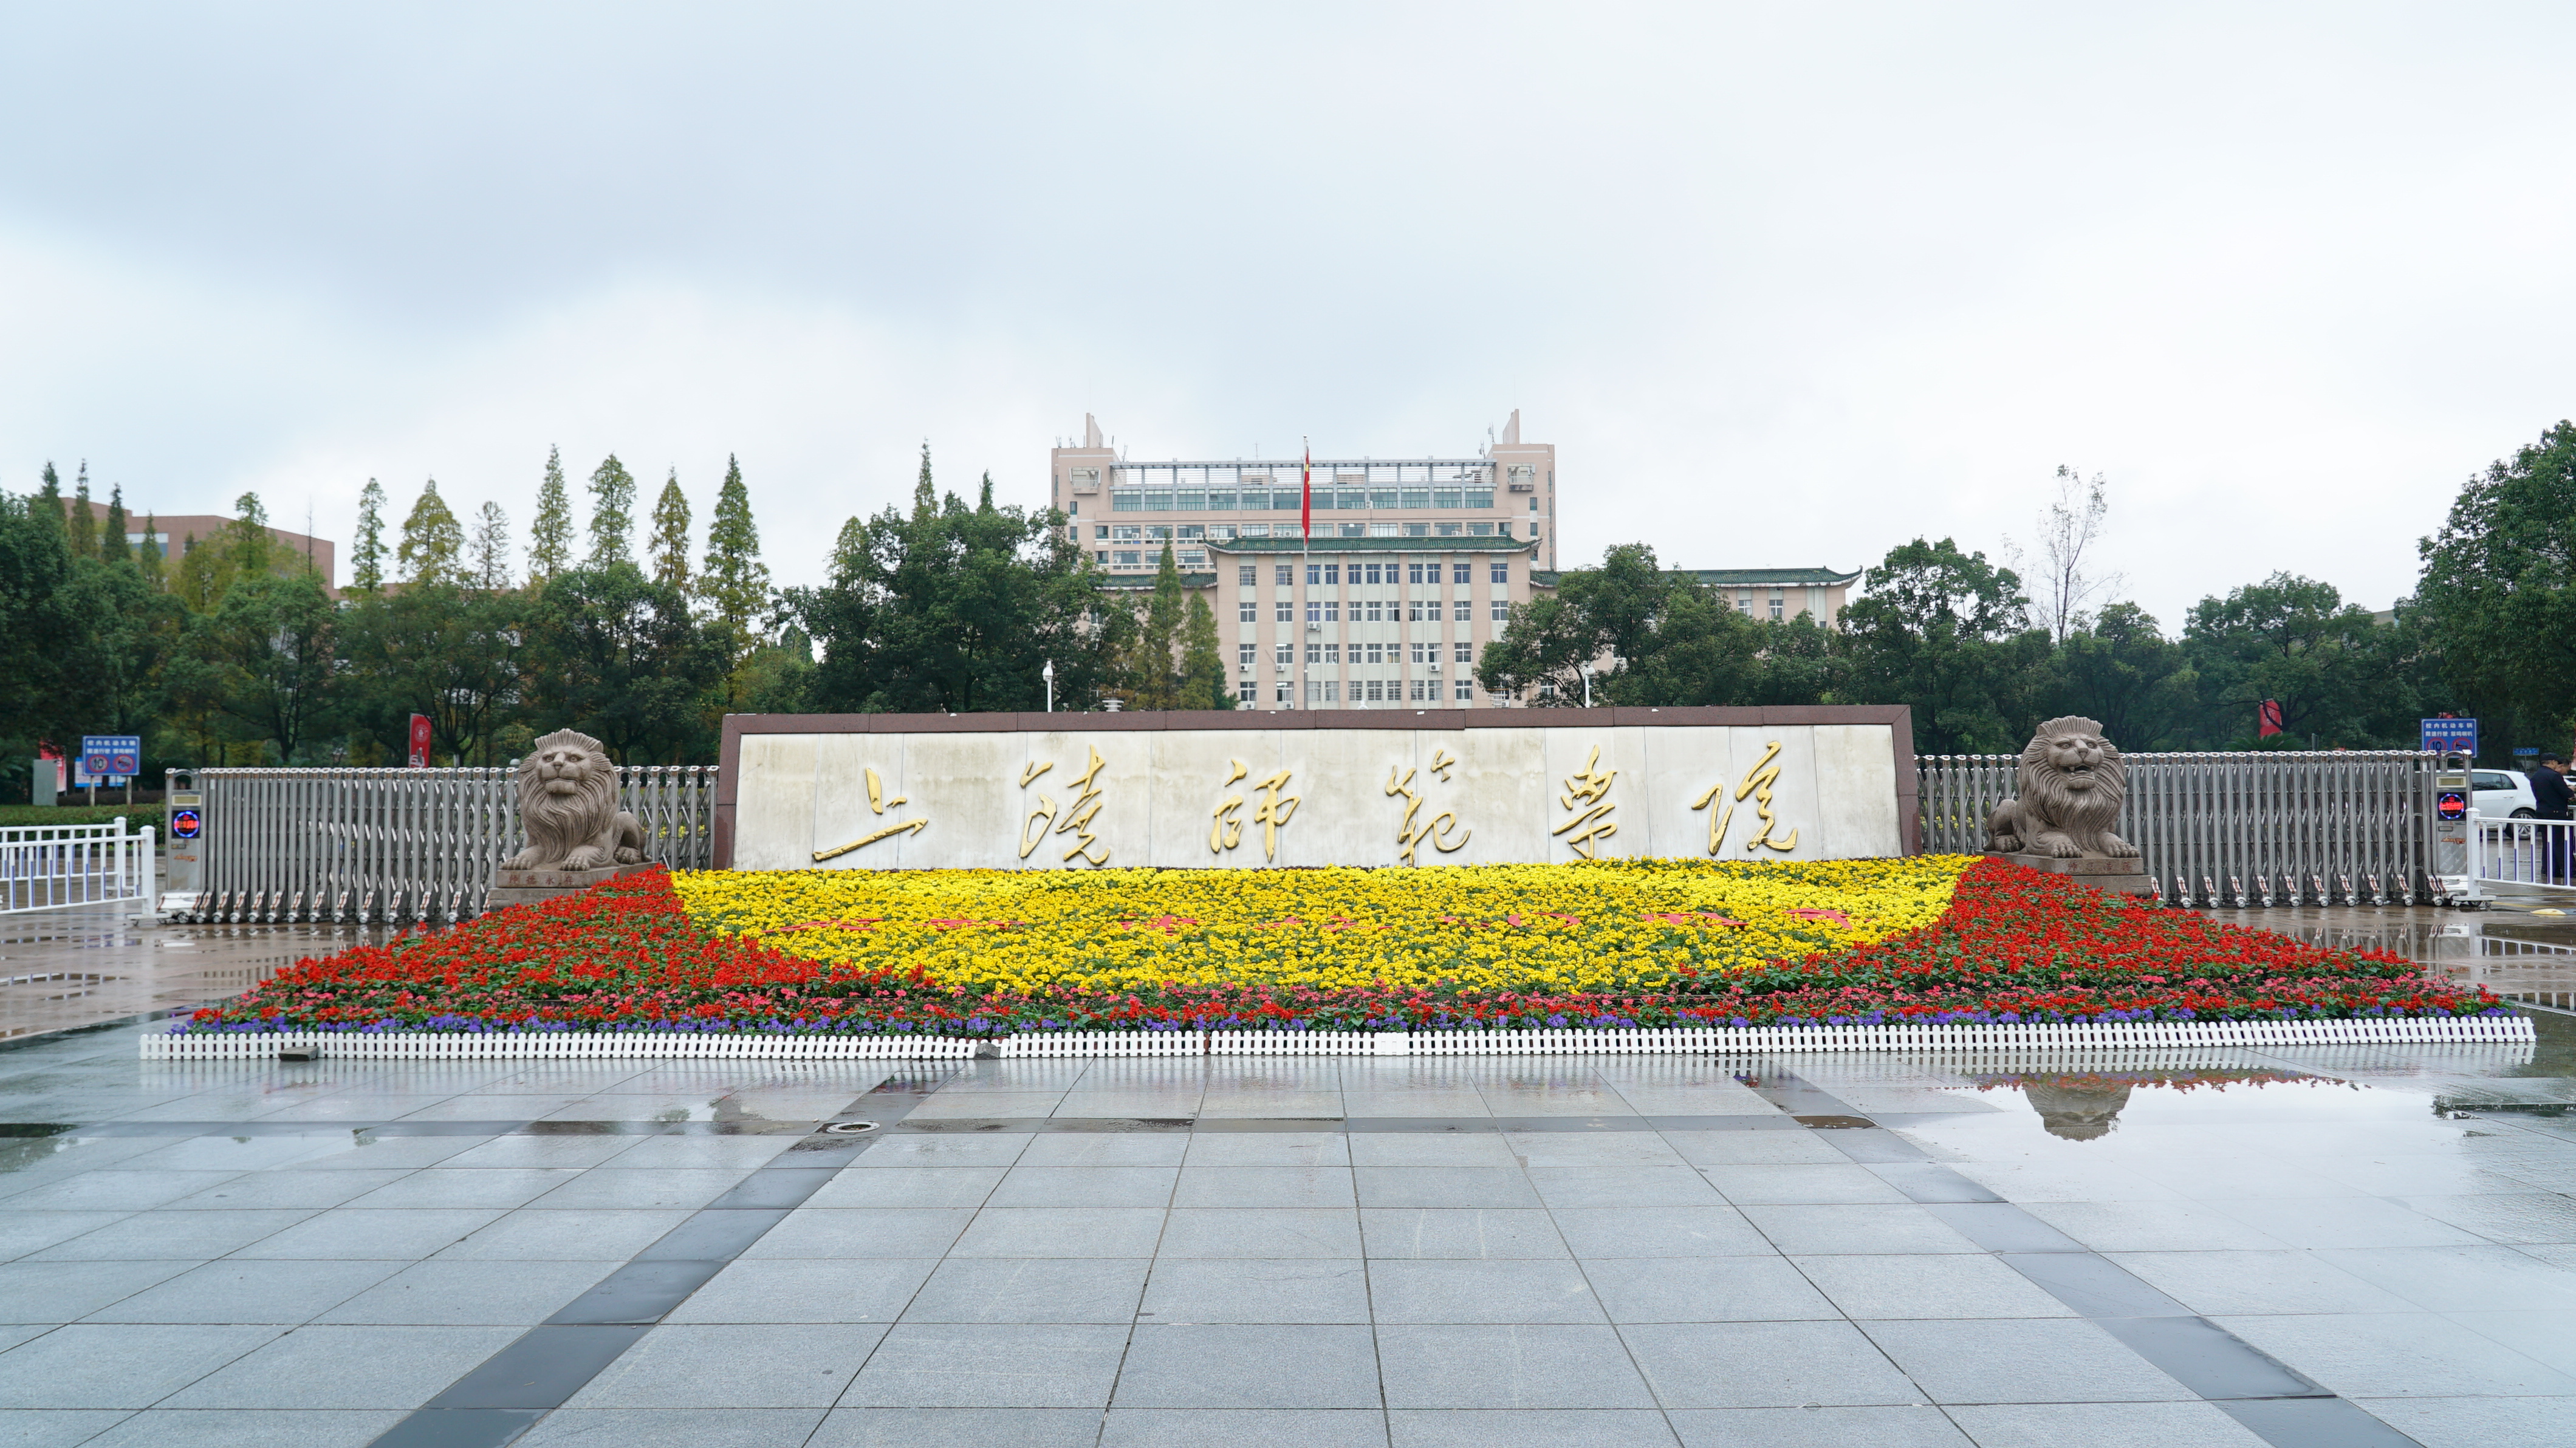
(2245, 828)
(2523, 852)
(360, 846)
(51, 867)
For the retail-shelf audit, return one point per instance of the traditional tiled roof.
(1751, 577)
(1460, 544)
(1145, 579)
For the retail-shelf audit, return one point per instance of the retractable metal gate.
(2350, 827)
(395, 846)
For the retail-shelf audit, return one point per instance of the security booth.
(186, 885)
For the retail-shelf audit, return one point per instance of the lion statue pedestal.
(577, 836)
(2070, 788)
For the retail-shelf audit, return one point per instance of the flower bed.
(1609, 945)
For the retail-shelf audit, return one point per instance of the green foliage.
(1947, 632)
(1202, 660)
(44, 632)
(1156, 680)
(957, 608)
(136, 816)
(2497, 604)
(619, 657)
(550, 536)
(47, 505)
(112, 546)
(491, 564)
(2123, 671)
(2295, 641)
(84, 523)
(442, 651)
(612, 514)
(367, 560)
(266, 661)
(668, 552)
(734, 584)
(432, 550)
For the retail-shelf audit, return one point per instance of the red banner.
(2267, 718)
(420, 741)
(1306, 496)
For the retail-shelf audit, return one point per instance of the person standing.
(2551, 800)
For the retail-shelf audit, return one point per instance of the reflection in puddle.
(2085, 1106)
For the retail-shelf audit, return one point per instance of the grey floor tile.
(243, 1428)
(883, 1232)
(1538, 1428)
(1267, 1365)
(1705, 1289)
(2460, 1279)
(525, 1153)
(987, 1104)
(1084, 1186)
(111, 1191)
(2022, 1361)
(1413, 1149)
(1263, 1186)
(2398, 1354)
(1030, 1289)
(607, 1235)
(924, 1365)
(2356, 1221)
(1268, 1149)
(2103, 1425)
(236, 1291)
(346, 1367)
(2535, 1217)
(234, 1153)
(1257, 1289)
(1929, 1285)
(1801, 1185)
(2546, 1337)
(1714, 1231)
(1765, 1365)
(447, 1293)
(25, 1232)
(656, 1153)
(1392, 1232)
(869, 1289)
(351, 1233)
(269, 1190)
(1521, 1365)
(118, 1365)
(483, 1187)
(2474, 1422)
(673, 1428)
(1435, 1105)
(1062, 1232)
(70, 1291)
(2258, 1282)
(1821, 1230)
(1918, 1426)
(962, 1149)
(1107, 1148)
(1754, 1148)
(610, 1186)
(194, 1236)
(959, 1428)
(57, 1427)
(1640, 1186)
(1243, 1428)
(1261, 1232)
(1478, 1291)
(1586, 1148)
(2153, 1227)
(929, 1187)
(1446, 1187)
(713, 1365)
(389, 1153)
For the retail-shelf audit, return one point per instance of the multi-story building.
(1411, 565)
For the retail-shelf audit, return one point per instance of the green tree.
(612, 514)
(957, 608)
(550, 536)
(1202, 661)
(2121, 670)
(149, 555)
(270, 654)
(2496, 603)
(84, 523)
(432, 549)
(46, 635)
(47, 505)
(1158, 637)
(247, 543)
(491, 571)
(443, 651)
(111, 544)
(2294, 641)
(668, 552)
(367, 560)
(732, 581)
(619, 657)
(1947, 633)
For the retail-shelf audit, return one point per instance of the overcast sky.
(1784, 285)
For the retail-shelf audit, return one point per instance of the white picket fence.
(56, 867)
(2079, 1038)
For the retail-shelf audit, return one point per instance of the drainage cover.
(850, 1128)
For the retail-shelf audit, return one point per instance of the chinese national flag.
(1306, 496)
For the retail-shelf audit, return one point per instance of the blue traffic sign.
(2449, 736)
(111, 756)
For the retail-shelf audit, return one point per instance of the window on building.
(1247, 575)
(1345, 498)
(1314, 612)
(1415, 530)
(1445, 497)
(1413, 573)
(1466, 653)
(1192, 530)
(1247, 612)
(1416, 498)
(1333, 573)
(1248, 691)
(1126, 558)
(1158, 533)
(1314, 574)
(1419, 691)
(1285, 575)
(1376, 653)
(1431, 610)
(1502, 573)
(1193, 558)
(1158, 500)
(1126, 500)
(1126, 533)
(1314, 653)
(1332, 653)
(1221, 502)
(1076, 510)
(1382, 530)
(1502, 610)
(1332, 610)
(1480, 530)
(1533, 505)
(1366, 691)
(1461, 572)
(1417, 651)
(1778, 605)
(1243, 655)
(1375, 572)
(1281, 692)
(1104, 557)
(1480, 497)
(1287, 611)
(1547, 688)
(1099, 530)
(1381, 497)
(1505, 528)
(1465, 692)
(1284, 655)
(1353, 530)
(1446, 530)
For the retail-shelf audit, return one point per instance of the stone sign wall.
(1082, 791)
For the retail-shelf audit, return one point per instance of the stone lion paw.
(588, 857)
(2064, 848)
(628, 855)
(2119, 849)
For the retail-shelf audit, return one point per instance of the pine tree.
(433, 542)
(111, 543)
(367, 571)
(48, 502)
(550, 537)
(734, 582)
(668, 552)
(612, 514)
(247, 538)
(84, 523)
(150, 554)
(492, 549)
(1165, 616)
(1202, 659)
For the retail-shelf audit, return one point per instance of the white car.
(2503, 794)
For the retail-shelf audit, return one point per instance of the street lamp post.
(1048, 674)
(1587, 684)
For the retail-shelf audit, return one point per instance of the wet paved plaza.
(2348, 1247)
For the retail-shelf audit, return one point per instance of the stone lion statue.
(2072, 783)
(568, 806)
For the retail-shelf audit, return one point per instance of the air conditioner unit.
(1084, 480)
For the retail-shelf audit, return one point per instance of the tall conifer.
(734, 582)
(48, 502)
(492, 549)
(612, 514)
(668, 550)
(367, 560)
(151, 554)
(84, 523)
(111, 542)
(1165, 616)
(1202, 659)
(550, 536)
(433, 542)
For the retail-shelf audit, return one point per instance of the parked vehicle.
(2502, 794)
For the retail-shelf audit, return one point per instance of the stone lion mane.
(576, 829)
(2048, 816)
